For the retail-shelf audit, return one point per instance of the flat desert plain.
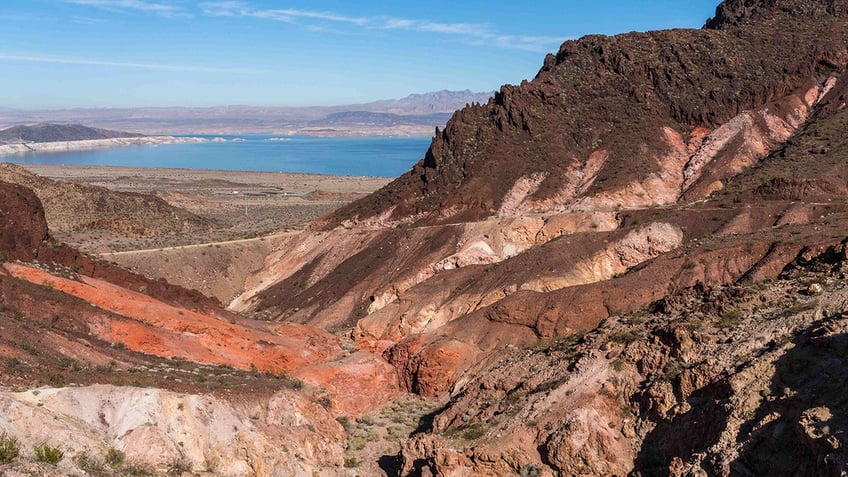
(248, 210)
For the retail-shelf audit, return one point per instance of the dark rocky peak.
(45, 132)
(615, 95)
(733, 13)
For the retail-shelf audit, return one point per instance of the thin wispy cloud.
(288, 15)
(158, 8)
(473, 29)
(224, 9)
(476, 34)
(86, 20)
(118, 64)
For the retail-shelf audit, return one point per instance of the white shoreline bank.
(87, 145)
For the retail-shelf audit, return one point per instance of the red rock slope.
(158, 319)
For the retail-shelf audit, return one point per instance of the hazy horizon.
(236, 106)
(61, 54)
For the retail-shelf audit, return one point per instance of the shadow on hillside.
(687, 433)
(390, 464)
(800, 427)
(809, 398)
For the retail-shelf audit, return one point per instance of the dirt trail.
(253, 240)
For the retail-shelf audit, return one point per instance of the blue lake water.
(368, 156)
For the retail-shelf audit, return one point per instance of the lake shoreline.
(105, 174)
(93, 144)
(369, 157)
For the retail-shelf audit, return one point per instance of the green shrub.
(351, 462)
(48, 455)
(14, 363)
(394, 433)
(345, 422)
(9, 448)
(474, 431)
(624, 337)
(366, 420)
(358, 443)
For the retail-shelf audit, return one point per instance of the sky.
(135, 53)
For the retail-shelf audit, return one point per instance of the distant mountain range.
(44, 132)
(416, 114)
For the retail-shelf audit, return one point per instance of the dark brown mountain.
(615, 94)
(57, 133)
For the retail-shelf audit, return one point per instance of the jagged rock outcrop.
(23, 228)
(733, 380)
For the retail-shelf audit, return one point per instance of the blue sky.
(128, 53)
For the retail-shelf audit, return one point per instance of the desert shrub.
(32, 350)
(56, 379)
(178, 466)
(366, 420)
(47, 454)
(730, 318)
(137, 469)
(358, 443)
(9, 448)
(14, 363)
(351, 462)
(618, 365)
(345, 422)
(290, 382)
(624, 337)
(394, 433)
(529, 470)
(114, 458)
(474, 431)
(548, 385)
(91, 465)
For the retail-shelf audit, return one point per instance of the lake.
(359, 156)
